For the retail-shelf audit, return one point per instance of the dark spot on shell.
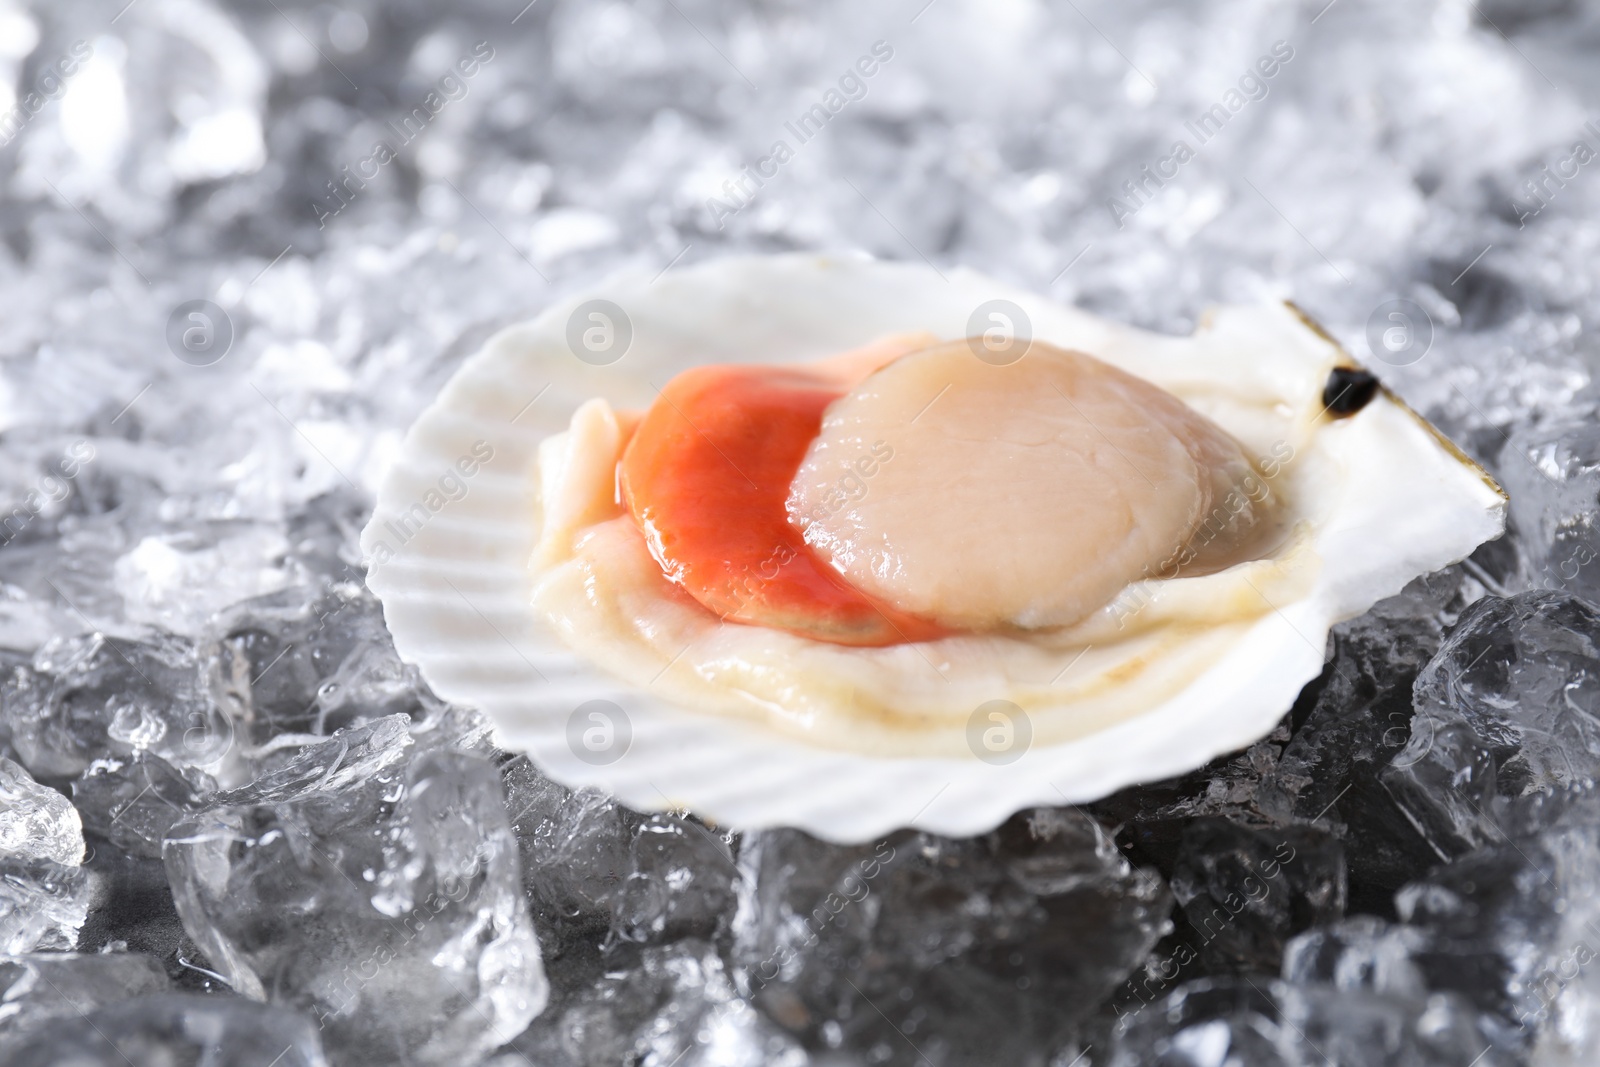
(1349, 389)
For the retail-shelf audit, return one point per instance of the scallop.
(1025, 494)
(803, 551)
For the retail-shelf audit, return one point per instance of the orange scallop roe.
(707, 474)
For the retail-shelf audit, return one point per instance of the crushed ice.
(243, 243)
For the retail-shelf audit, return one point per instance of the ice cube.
(176, 1030)
(375, 887)
(293, 664)
(682, 882)
(576, 846)
(1444, 781)
(1322, 763)
(1524, 673)
(1516, 926)
(670, 1004)
(1247, 1022)
(323, 534)
(65, 986)
(1208, 1023)
(1361, 952)
(90, 697)
(1509, 706)
(591, 866)
(44, 893)
(1552, 471)
(985, 949)
(178, 581)
(36, 822)
(1246, 892)
(43, 904)
(1152, 816)
(132, 802)
(1350, 723)
(1491, 919)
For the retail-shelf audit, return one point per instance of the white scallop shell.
(452, 571)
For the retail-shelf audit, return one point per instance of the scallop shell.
(447, 551)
